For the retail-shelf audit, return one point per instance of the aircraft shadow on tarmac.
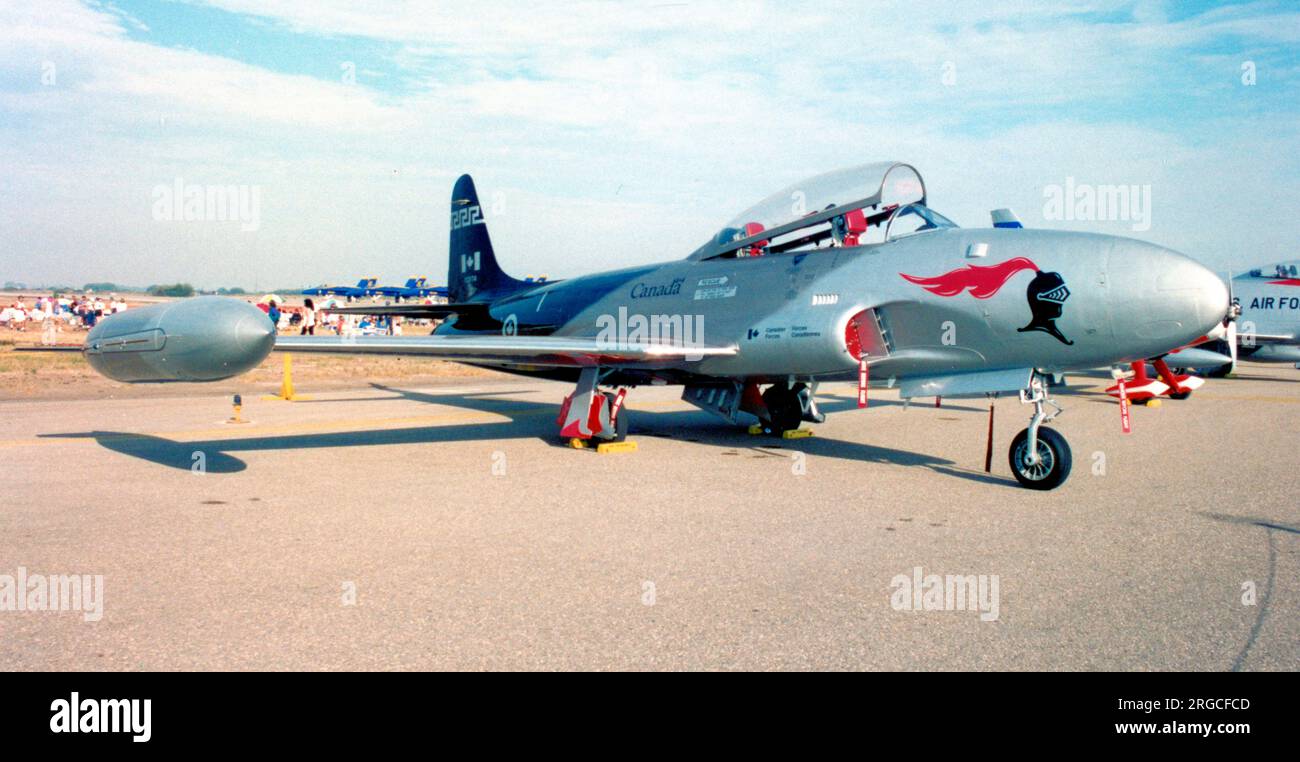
(526, 420)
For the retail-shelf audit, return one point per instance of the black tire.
(783, 409)
(1180, 395)
(1054, 452)
(620, 423)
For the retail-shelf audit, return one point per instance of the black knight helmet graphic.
(1047, 291)
(1047, 294)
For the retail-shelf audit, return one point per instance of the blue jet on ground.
(364, 287)
(846, 276)
(415, 288)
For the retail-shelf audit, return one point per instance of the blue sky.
(610, 135)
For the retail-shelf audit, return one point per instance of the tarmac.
(447, 527)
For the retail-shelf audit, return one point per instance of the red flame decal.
(983, 282)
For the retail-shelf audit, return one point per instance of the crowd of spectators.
(311, 319)
(56, 313)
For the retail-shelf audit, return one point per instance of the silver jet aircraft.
(1266, 302)
(846, 276)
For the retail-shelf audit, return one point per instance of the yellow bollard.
(286, 383)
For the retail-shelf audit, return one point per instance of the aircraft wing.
(552, 351)
(1265, 338)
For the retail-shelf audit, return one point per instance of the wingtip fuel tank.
(207, 338)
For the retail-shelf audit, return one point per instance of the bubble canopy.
(810, 210)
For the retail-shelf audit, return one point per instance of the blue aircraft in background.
(364, 287)
(415, 288)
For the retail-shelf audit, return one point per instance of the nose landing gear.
(1040, 457)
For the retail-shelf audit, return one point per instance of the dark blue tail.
(472, 272)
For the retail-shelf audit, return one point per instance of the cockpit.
(868, 204)
(913, 219)
(1283, 270)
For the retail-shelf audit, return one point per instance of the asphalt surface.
(446, 527)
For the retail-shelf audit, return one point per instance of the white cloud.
(623, 134)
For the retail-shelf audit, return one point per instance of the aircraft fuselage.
(1074, 301)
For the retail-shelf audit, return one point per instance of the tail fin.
(472, 272)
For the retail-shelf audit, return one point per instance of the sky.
(603, 135)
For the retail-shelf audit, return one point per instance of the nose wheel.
(1049, 465)
(1040, 457)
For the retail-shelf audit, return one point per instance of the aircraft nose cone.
(1162, 298)
(1213, 296)
(1194, 293)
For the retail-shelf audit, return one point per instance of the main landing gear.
(785, 406)
(1040, 457)
(1171, 383)
(589, 413)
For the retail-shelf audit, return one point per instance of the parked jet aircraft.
(1267, 328)
(364, 287)
(415, 288)
(849, 275)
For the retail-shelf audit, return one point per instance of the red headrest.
(855, 221)
(756, 248)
